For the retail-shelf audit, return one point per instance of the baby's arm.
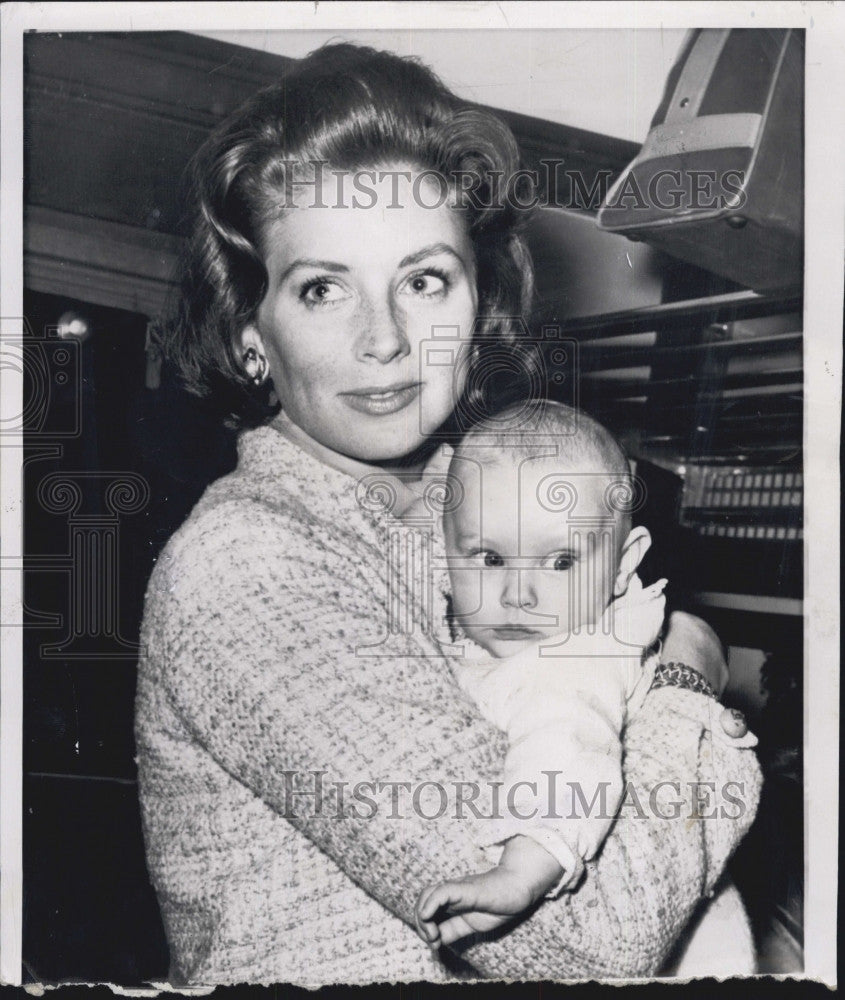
(563, 718)
(484, 902)
(563, 771)
(563, 706)
(564, 715)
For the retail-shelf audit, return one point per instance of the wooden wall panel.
(110, 123)
(112, 120)
(103, 262)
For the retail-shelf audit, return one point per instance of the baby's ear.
(636, 545)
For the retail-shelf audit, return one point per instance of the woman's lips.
(378, 402)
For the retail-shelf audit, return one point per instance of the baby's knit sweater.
(271, 667)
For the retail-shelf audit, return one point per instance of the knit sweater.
(267, 658)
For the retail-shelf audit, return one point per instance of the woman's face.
(366, 312)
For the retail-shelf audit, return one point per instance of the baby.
(559, 638)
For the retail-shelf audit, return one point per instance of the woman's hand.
(690, 640)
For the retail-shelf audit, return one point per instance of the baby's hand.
(475, 904)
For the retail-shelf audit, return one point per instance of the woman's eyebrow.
(429, 251)
(319, 265)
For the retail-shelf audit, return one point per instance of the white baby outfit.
(563, 704)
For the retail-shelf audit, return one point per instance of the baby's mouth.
(515, 633)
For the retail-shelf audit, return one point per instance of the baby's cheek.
(466, 592)
(595, 593)
(557, 599)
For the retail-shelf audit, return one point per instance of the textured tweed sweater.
(268, 657)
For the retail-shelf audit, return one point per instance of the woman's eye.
(561, 563)
(322, 292)
(492, 559)
(425, 286)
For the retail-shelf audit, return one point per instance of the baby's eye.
(322, 292)
(487, 557)
(429, 284)
(560, 561)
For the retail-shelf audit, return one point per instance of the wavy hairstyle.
(354, 108)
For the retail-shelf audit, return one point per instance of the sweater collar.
(286, 477)
(280, 471)
(279, 467)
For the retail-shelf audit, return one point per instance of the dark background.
(89, 912)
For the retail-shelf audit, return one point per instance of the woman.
(305, 764)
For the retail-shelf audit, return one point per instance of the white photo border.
(824, 219)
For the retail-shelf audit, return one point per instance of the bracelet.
(680, 675)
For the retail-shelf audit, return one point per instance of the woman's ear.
(249, 337)
(250, 346)
(635, 547)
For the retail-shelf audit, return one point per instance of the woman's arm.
(691, 795)
(690, 640)
(261, 645)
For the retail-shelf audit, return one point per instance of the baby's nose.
(518, 590)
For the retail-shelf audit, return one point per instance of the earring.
(256, 367)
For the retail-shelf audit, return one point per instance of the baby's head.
(540, 542)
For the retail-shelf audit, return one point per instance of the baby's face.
(533, 551)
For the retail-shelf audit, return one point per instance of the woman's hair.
(353, 108)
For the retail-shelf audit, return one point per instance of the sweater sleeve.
(688, 800)
(274, 656)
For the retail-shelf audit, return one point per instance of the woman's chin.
(389, 451)
(399, 443)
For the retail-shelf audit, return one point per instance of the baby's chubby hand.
(471, 905)
(478, 904)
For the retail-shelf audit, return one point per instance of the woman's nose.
(518, 590)
(383, 336)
